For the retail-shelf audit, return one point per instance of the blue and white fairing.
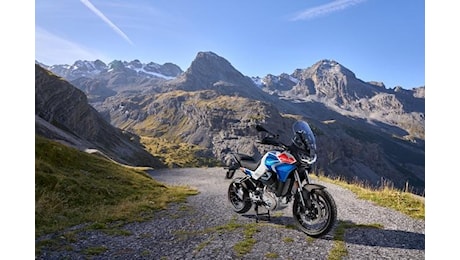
(281, 163)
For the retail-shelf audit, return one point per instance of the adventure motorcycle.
(280, 177)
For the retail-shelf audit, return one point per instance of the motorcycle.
(282, 176)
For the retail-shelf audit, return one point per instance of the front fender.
(307, 189)
(310, 187)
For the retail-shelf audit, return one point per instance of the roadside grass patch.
(245, 246)
(386, 196)
(145, 253)
(241, 248)
(310, 239)
(339, 249)
(74, 187)
(109, 228)
(203, 245)
(288, 240)
(96, 250)
(271, 255)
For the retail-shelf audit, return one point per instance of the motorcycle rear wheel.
(317, 220)
(239, 196)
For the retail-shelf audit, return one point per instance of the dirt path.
(401, 237)
(207, 228)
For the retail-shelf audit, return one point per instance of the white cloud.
(51, 49)
(106, 20)
(325, 9)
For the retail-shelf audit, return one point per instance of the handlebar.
(272, 140)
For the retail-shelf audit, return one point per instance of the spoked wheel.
(239, 196)
(318, 219)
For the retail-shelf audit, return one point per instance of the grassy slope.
(73, 187)
(177, 154)
(386, 196)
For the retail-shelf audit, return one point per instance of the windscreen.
(304, 129)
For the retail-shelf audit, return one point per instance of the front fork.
(303, 193)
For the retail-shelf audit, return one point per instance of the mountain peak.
(209, 54)
(331, 67)
(212, 66)
(210, 71)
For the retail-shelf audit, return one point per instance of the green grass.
(245, 246)
(339, 249)
(385, 196)
(271, 255)
(73, 187)
(95, 250)
(241, 248)
(288, 240)
(178, 154)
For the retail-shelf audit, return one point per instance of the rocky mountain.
(62, 113)
(337, 87)
(99, 80)
(97, 68)
(209, 71)
(364, 131)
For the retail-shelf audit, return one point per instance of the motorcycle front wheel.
(239, 196)
(319, 216)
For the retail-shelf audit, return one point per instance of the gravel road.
(202, 229)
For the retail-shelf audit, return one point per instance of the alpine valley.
(364, 131)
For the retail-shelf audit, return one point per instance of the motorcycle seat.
(248, 161)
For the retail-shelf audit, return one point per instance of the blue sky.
(378, 40)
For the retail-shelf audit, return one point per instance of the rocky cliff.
(62, 113)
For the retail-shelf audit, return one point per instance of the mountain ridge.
(364, 130)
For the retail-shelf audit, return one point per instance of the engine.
(271, 202)
(269, 179)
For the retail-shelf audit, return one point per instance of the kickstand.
(261, 214)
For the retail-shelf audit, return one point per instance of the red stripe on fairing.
(286, 158)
